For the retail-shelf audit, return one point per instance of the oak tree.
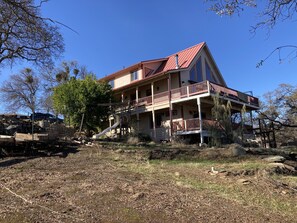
(270, 13)
(20, 92)
(26, 35)
(280, 108)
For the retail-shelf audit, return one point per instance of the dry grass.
(194, 174)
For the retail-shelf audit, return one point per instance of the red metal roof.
(185, 57)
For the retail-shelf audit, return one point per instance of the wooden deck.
(186, 92)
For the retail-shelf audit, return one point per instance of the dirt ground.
(96, 184)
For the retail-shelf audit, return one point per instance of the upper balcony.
(189, 91)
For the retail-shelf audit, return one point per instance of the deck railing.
(194, 124)
(196, 89)
(233, 94)
(161, 97)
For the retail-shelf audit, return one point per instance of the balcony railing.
(233, 94)
(189, 124)
(161, 97)
(196, 89)
(194, 124)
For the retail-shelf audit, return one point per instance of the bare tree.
(51, 78)
(26, 35)
(280, 106)
(21, 91)
(274, 11)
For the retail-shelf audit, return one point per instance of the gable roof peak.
(185, 57)
(199, 45)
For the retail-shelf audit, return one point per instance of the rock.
(138, 196)
(119, 151)
(282, 168)
(177, 174)
(237, 150)
(244, 181)
(280, 165)
(291, 163)
(275, 159)
(117, 158)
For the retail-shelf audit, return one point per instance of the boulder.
(237, 150)
(244, 181)
(275, 159)
(282, 168)
(233, 150)
(291, 163)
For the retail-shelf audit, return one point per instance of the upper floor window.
(111, 83)
(199, 70)
(209, 74)
(134, 75)
(196, 72)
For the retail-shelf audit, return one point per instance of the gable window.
(199, 70)
(111, 83)
(196, 72)
(209, 75)
(134, 75)
(193, 74)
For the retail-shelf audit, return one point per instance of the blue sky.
(116, 33)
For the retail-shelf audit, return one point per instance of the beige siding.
(175, 80)
(125, 79)
(160, 86)
(122, 80)
(184, 77)
(152, 66)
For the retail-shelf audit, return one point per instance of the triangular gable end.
(209, 68)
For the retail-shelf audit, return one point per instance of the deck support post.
(137, 112)
(109, 119)
(136, 92)
(200, 120)
(152, 91)
(137, 120)
(122, 97)
(242, 123)
(154, 124)
(170, 107)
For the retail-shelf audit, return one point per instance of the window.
(111, 83)
(209, 75)
(193, 74)
(196, 72)
(134, 75)
(199, 70)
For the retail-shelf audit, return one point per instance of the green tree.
(59, 75)
(26, 35)
(79, 98)
(221, 128)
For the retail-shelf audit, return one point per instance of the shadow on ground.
(14, 155)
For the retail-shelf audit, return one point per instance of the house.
(172, 96)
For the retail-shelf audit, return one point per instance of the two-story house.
(173, 95)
